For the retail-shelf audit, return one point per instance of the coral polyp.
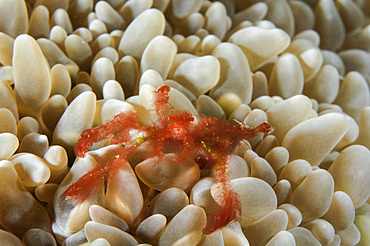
(206, 140)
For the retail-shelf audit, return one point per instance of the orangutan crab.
(208, 141)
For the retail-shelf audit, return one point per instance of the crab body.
(206, 140)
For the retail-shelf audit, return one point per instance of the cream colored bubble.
(151, 77)
(39, 22)
(97, 27)
(358, 39)
(9, 238)
(282, 190)
(57, 161)
(268, 143)
(112, 107)
(216, 20)
(261, 231)
(294, 215)
(354, 94)
(60, 80)
(287, 77)
(257, 198)
(113, 235)
(158, 55)
(8, 121)
(191, 24)
(278, 158)
(209, 107)
(36, 236)
(186, 226)
(253, 13)
(209, 43)
(52, 110)
(60, 17)
(182, 9)
(350, 236)
(305, 141)
(123, 194)
(205, 69)
(332, 58)
(329, 25)
(71, 219)
(16, 216)
(14, 17)
(168, 203)
(304, 17)
(214, 239)
(27, 125)
(351, 135)
(32, 83)
(34, 143)
(78, 51)
(77, 117)
(304, 236)
(350, 173)
(45, 192)
(116, 35)
(190, 44)
(102, 71)
(102, 41)
(260, 85)
(6, 48)
(55, 55)
(8, 145)
(86, 34)
(280, 13)
(309, 56)
(311, 35)
(232, 234)
(31, 169)
(260, 168)
(362, 222)
(322, 230)
(154, 22)
(351, 14)
(240, 113)
(151, 228)
(324, 86)
(282, 238)
(101, 215)
(127, 74)
(295, 172)
(113, 90)
(253, 119)
(169, 174)
(256, 45)
(108, 52)
(131, 9)
(201, 195)
(182, 89)
(161, 4)
(356, 60)
(314, 195)
(363, 124)
(287, 114)
(229, 92)
(6, 74)
(53, 5)
(111, 18)
(341, 212)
